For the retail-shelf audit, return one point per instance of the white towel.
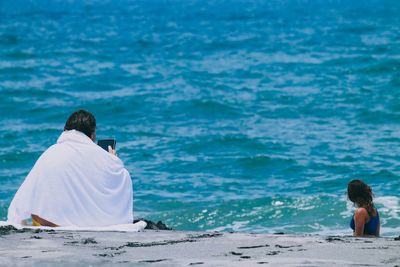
(131, 227)
(75, 183)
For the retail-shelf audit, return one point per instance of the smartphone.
(104, 143)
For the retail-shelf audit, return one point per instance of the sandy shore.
(173, 248)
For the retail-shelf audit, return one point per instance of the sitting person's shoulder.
(361, 213)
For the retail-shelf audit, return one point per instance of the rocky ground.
(30, 247)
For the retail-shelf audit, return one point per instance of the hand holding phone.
(108, 145)
(112, 151)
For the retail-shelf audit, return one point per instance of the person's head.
(359, 193)
(82, 121)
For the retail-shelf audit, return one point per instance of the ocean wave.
(8, 39)
(263, 161)
(386, 66)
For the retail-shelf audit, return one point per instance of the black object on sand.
(153, 226)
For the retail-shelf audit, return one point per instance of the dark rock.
(88, 241)
(106, 255)
(206, 235)
(380, 247)
(189, 239)
(153, 226)
(280, 246)
(71, 242)
(152, 261)
(196, 263)
(111, 255)
(250, 247)
(236, 253)
(159, 243)
(397, 238)
(83, 241)
(332, 238)
(6, 230)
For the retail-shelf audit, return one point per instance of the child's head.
(359, 193)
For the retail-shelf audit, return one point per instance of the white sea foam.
(390, 205)
(277, 203)
(133, 69)
(234, 226)
(92, 67)
(374, 40)
(390, 231)
(96, 95)
(349, 210)
(32, 83)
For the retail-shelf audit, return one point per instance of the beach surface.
(29, 247)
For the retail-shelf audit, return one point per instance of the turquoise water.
(230, 115)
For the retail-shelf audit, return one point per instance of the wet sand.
(29, 247)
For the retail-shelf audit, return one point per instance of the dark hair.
(82, 121)
(360, 194)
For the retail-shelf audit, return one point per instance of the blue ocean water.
(230, 115)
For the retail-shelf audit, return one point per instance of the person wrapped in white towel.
(75, 182)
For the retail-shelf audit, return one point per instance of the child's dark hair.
(360, 194)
